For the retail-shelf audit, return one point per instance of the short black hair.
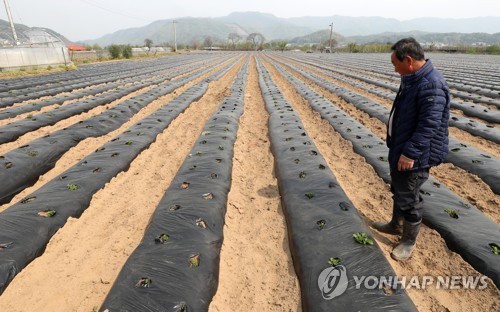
(408, 47)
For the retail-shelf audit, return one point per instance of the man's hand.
(405, 163)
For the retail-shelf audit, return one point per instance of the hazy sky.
(90, 19)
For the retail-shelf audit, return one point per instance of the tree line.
(257, 42)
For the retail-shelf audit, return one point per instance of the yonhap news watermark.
(333, 282)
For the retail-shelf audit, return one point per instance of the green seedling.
(309, 195)
(194, 261)
(452, 212)
(221, 147)
(494, 248)
(321, 224)
(334, 261)
(32, 153)
(129, 142)
(163, 238)
(302, 175)
(322, 167)
(362, 239)
(72, 187)
(8, 165)
(47, 213)
(144, 282)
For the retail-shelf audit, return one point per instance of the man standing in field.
(417, 137)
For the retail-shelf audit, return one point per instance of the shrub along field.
(231, 181)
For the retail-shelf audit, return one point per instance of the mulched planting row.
(473, 110)
(486, 166)
(13, 130)
(21, 167)
(321, 221)
(92, 90)
(176, 265)
(28, 225)
(444, 211)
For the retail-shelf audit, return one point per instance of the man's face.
(401, 67)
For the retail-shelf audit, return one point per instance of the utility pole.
(331, 32)
(7, 8)
(175, 36)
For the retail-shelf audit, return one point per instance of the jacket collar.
(416, 76)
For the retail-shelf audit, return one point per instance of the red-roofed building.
(76, 48)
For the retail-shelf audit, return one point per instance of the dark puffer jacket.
(420, 121)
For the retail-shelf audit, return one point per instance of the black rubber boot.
(407, 243)
(394, 227)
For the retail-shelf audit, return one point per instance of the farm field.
(226, 181)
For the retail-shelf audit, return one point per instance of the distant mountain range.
(421, 36)
(271, 27)
(346, 29)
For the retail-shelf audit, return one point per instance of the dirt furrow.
(89, 145)
(256, 271)
(478, 142)
(372, 198)
(84, 257)
(465, 184)
(24, 139)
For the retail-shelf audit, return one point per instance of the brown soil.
(83, 259)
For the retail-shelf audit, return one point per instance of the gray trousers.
(405, 187)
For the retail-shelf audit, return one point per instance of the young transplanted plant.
(495, 249)
(361, 238)
(334, 261)
(47, 213)
(452, 213)
(72, 187)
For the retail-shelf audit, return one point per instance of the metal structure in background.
(331, 32)
(175, 36)
(32, 48)
(33, 37)
(11, 21)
